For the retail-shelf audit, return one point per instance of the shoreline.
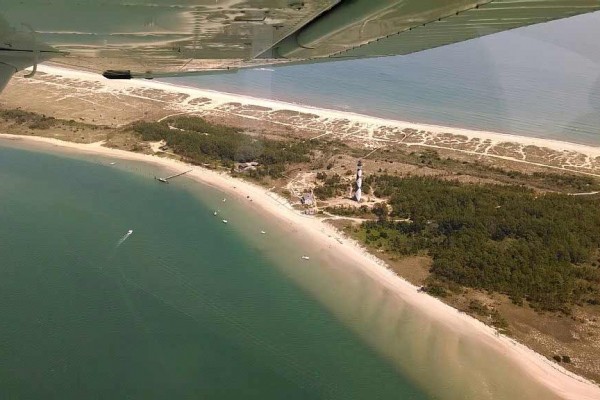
(370, 119)
(538, 368)
(325, 115)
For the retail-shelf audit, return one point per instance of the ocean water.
(189, 307)
(539, 81)
(185, 307)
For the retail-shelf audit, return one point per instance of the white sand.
(549, 374)
(219, 98)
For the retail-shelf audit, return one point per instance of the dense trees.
(30, 119)
(350, 211)
(562, 181)
(542, 248)
(332, 186)
(201, 142)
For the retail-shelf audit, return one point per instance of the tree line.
(200, 141)
(542, 248)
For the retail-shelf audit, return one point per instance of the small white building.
(307, 199)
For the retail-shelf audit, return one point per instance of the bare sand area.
(552, 376)
(88, 97)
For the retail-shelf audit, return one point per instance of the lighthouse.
(358, 184)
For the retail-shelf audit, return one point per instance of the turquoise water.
(189, 307)
(540, 81)
(185, 307)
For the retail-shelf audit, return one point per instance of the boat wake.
(124, 238)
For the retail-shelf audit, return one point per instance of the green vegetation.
(202, 142)
(39, 121)
(539, 248)
(32, 120)
(565, 359)
(332, 186)
(575, 182)
(478, 308)
(350, 211)
(569, 182)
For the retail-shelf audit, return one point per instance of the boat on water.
(129, 232)
(262, 232)
(224, 221)
(305, 257)
(215, 213)
(113, 163)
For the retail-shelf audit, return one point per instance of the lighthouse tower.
(358, 188)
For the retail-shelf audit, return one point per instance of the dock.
(166, 180)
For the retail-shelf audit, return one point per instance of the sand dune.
(115, 101)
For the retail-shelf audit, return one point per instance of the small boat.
(129, 232)
(224, 200)
(263, 232)
(215, 213)
(224, 221)
(305, 257)
(113, 163)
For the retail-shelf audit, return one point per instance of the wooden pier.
(166, 180)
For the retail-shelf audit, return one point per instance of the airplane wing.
(153, 38)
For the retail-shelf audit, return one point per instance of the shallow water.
(189, 307)
(185, 307)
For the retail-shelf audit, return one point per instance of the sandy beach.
(547, 373)
(88, 97)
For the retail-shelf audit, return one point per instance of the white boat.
(305, 257)
(113, 163)
(215, 213)
(262, 232)
(224, 200)
(129, 232)
(224, 221)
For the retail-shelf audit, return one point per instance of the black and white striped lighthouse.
(358, 183)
